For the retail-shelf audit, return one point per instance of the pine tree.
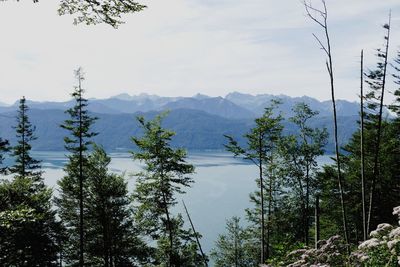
(165, 175)
(111, 236)
(28, 228)
(73, 185)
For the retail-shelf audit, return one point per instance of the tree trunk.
(271, 180)
(317, 226)
(376, 174)
(306, 230)
(364, 222)
(23, 142)
(81, 259)
(263, 256)
(195, 234)
(329, 65)
(169, 229)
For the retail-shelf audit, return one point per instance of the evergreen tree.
(111, 235)
(25, 165)
(262, 143)
(387, 186)
(4, 148)
(186, 250)
(235, 248)
(389, 182)
(165, 174)
(28, 228)
(72, 186)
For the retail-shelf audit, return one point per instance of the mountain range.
(199, 121)
(233, 106)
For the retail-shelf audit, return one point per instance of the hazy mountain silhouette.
(200, 121)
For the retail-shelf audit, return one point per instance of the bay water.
(221, 187)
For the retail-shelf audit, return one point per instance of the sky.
(185, 47)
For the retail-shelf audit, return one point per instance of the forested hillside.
(198, 127)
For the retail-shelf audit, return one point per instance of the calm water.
(221, 188)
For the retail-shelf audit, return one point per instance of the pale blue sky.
(184, 47)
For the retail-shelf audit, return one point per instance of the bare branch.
(321, 44)
(328, 68)
(309, 7)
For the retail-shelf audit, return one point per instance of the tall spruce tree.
(262, 142)
(25, 165)
(28, 228)
(165, 175)
(73, 185)
(112, 237)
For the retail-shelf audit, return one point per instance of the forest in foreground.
(344, 214)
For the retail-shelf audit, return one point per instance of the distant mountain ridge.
(200, 121)
(233, 106)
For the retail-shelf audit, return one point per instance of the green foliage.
(300, 152)
(72, 187)
(287, 167)
(380, 256)
(4, 148)
(382, 249)
(387, 187)
(164, 175)
(93, 12)
(235, 247)
(111, 234)
(80, 121)
(186, 251)
(99, 11)
(25, 165)
(395, 107)
(330, 252)
(261, 139)
(28, 228)
(262, 147)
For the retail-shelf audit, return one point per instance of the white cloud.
(179, 47)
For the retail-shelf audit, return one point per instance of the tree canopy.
(92, 12)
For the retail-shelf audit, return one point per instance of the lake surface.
(220, 191)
